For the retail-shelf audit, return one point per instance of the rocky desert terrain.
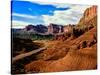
(74, 48)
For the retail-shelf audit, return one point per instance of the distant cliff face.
(68, 28)
(53, 28)
(29, 27)
(89, 19)
(89, 16)
(37, 28)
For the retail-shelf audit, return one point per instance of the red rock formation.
(50, 29)
(68, 28)
(89, 14)
(54, 28)
(63, 56)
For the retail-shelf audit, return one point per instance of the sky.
(28, 12)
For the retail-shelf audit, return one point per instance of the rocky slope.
(88, 21)
(76, 49)
(76, 54)
(70, 54)
(90, 16)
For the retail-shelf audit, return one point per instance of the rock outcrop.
(90, 16)
(68, 28)
(54, 28)
(74, 47)
(37, 28)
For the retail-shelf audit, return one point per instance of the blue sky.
(27, 12)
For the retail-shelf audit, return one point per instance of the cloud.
(24, 19)
(24, 15)
(71, 16)
(62, 17)
(57, 5)
(19, 24)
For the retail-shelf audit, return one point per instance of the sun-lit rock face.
(89, 14)
(68, 28)
(54, 28)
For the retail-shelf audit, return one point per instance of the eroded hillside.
(69, 51)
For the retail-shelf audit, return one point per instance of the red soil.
(65, 56)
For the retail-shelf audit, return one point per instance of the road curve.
(18, 57)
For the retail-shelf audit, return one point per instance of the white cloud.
(19, 24)
(24, 15)
(70, 16)
(63, 17)
(57, 5)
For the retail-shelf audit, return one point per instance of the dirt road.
(21, 56)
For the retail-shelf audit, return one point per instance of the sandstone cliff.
(89, 16)
(54, 28)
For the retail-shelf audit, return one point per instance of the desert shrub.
(81, 29)
(42, 37)
(84, 44)
(63, 36)
(91, 43)
(76, 32)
